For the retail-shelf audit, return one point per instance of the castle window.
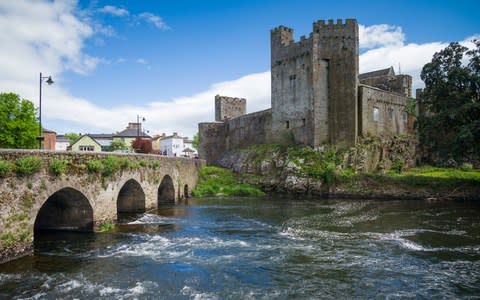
(405, 116)
(390, 113)
(304, 122)
(376, 114)
(287, 124)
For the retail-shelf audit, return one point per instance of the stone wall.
(217, 138)
(392, 117)
(228, 107)
(22, 197)
(400, 84)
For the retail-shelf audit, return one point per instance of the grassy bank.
(448, 182)
(214, 181)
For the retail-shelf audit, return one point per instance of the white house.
(175, 145)
(62, 143)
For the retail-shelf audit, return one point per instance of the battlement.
(229, 107)
(349, 28)
(281, 35)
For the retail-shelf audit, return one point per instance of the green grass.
(28, 165)
(214, 181)
(57, 166)
(106, 227)
(440, 179)
(5, 168)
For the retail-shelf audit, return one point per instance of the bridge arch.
(131, 197)
(166, 191)
(65, 210)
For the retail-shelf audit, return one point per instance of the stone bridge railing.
(42, 190)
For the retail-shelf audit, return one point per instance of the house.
(175, 145)
(129, 134)
(156, 142)
(86, 143)
(49, 139)
(104, 139)
(188, 149)
(62, 143)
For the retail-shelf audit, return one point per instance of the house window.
(390, 113)
(287, 124)
(376, 114)
(86, 148)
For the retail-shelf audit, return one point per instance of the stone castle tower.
(314, 83)
(317, 96)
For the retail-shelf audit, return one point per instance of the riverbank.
(331, 173)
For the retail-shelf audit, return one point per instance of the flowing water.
(273, 248)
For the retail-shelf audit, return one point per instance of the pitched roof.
(101, 135)
(130, 133)
(81, 137)
(377, 73)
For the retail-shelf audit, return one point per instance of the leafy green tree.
(118, 145)
(451, 129)
(72, 137)
(195, 141)
(19, 126)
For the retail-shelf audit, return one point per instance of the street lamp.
(138, 129)
(49, 81)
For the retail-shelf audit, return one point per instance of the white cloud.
(116, 11)
(142, 61)
(155, 20)
(382, 35)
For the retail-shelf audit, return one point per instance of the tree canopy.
(72, 137)
(451, 128)
(19, 127)
(196, 141)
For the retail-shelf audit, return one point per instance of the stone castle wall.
(401, 84)
(228, 107)
(392, 117)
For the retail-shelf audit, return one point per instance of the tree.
(196, 141)
(118, 145)
(451, 129)
(72, 137)
(142, 145)
(19, 127)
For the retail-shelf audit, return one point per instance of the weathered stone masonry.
(78, 200)
(316, 96)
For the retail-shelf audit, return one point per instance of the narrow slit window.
(304, 122)
(287, 124)
(376, 114)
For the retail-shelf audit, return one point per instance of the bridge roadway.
(81, 199)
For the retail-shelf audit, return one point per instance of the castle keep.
(317, 96)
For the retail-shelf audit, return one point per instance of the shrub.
(142, 162)
(155, 164)
(28, 165)
(5, 168)
(107, 226)
(94, 166)
(466, 167)
(111, 164)
(398, 165)
(57, 166)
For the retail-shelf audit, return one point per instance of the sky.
(166, 60)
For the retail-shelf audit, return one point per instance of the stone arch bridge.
(92, 189)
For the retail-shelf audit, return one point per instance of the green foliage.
(111, 164)
(452, 97)
(94, 166)
(28, 165)
(7, 239)
(5, 168)
(57, 166)
(142, 162)
(214, 181)
(72, 137)
(19, 127)
(154, 164)
(106, 227)
(196, 141)
(398, 165)
(118, 145)
(318, 164)
(466, 167)
(411, 106)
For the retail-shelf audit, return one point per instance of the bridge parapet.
(43, 190)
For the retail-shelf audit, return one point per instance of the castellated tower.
(228, 107)
(314, 84)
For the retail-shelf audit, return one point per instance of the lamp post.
(49, 81)
(138, 129)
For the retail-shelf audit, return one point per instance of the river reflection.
(280, 248)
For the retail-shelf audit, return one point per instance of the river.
(273, 248)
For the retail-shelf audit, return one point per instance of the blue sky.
(166, 60)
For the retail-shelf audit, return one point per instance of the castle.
(318, 96)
